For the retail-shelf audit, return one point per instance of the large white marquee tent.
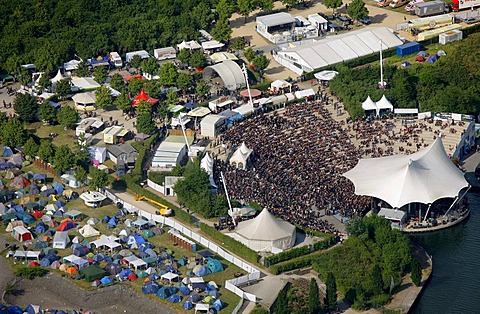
(266, 233)
(423, 177)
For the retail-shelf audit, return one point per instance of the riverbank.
(53, 291)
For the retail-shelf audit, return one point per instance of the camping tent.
(88, 231)
(19, 182)
(93, 272)
(165, 292)
(422, 177)
(66, 224)
(265, 232)
(21, 234)
(60, 240)
(151, 287)
(214, 265)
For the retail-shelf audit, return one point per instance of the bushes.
(304, 250)
(297, 263)
(30, 272)
(231, 244)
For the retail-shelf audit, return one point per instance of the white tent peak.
(384, 103)
(423, 177)
(240, 156)
(369, 104)
(244, 149)
(57, 77)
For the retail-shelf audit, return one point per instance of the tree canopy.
(13, 132)
(26, 107)
(67, 117)
(64, 158)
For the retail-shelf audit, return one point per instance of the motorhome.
(115, 59)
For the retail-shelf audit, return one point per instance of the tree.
(202, 88)
(222, 31)
(184, 81)
(150, 66)
(24, 77)
(117, 83)
(123, 102)
(238, 44)
(99, 179)
(13, 133)
(377, 280)
(44, 82)
(203, 15)
(289, 3)
(26, 107)
(80, 174)
(416, 272)
(184, 56)
(64, 158)
(266, 5)
(331, 293)
(145, 123)
(135, 85)
(82, 70)
(357, 10)
(313, 298)
(281, 306)
(100, 75)
(67, 117)
(198, 60)
(63, 88)
(30, 148)
(261, 62)
(249, 54)
(245, 7)
(172, 97)
(333, 4)
(103, 97)
(224, 9)
(82, 155)
(168, 74)
(47, 113)
(46, 151)
(135, 62)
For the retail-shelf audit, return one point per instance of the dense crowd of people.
(296, 169)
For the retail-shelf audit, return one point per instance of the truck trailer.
(431, 8)
(464, 4)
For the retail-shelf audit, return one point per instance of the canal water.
(455, 283)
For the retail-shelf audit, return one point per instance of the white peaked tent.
(240, 157)
(57, 77)
(207, 164)
(369, 104)
(423, 177)
(60, 240)
(265, 232)
(88, 231)
(383, 103)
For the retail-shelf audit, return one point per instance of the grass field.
(65, 137)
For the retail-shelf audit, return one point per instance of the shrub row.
(328, 241)
(297, 263)
(231, 244)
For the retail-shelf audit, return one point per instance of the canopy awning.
(143, 96)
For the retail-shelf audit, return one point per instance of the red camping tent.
(144, 96)
(37, 214)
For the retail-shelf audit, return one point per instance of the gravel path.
(52, 291)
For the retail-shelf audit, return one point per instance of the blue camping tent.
(217, 305)
(14, 310)
(44, 262)
(3, 309)
(165, 292)
(214, 265)
(174, 298)
(25, 217)
(188, 305)
(58, 187)
(125, 272)
(81, 251)
(39, 177)
(105, 219)
(184, 290)
(99, 257)
(59, 203)
(151, 287)
(40, 227)
(433, 58)
(7, 151)
(106, 281)
(201, 271)
(112, 221)
(183, 261)
(145, 246)
(18, 209)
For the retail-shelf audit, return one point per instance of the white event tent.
(382, 104)
(240, 157)
(266, 233)
(422, 177)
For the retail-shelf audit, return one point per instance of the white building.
(212, 125)
(301, 57)
(165, 53)
(275, 26)
(168, 155)
(319, 22)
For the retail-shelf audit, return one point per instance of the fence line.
(157, 187)
(231, 284)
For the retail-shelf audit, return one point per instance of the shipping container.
(408, 49)
(431, 8)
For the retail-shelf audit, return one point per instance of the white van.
(411, 5)
(115, 59)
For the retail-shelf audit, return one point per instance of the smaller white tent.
(240, 157)
(369, 104)
(207, 164)
(266, 233)
(57, 77)
(278, 84)
(84, 98)
(325, 75)
(88, 231)
(383, 104)
(191, 45)
(98, 153)
(84, 83)
(60, 240)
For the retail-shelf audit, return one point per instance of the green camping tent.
(93, 272)
(148, 233)
(214, 265)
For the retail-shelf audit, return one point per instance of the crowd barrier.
(232, 284)
(157, 187)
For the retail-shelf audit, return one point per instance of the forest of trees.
(448, 85)
(50, 32)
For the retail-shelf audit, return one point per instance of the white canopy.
(240, 156)
(88, 231)
(105, 241)
(279, 84)
(423, 177)
(84, 98)
(71, 65)
(369, 104)
(325, 75)
(212, 44)
(383, 103)
(169, 276)
(265, 232)
(207, 164)
(192, 45)
(135, 261)
(85, 83)
(27, 254)
(57, 77)
(304, 93)
(73, 259)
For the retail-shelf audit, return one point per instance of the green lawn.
(65, 137)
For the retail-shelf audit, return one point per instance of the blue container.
(408, 49)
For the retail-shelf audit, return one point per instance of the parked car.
(365, 20)
(344, 21)
(470, 20)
